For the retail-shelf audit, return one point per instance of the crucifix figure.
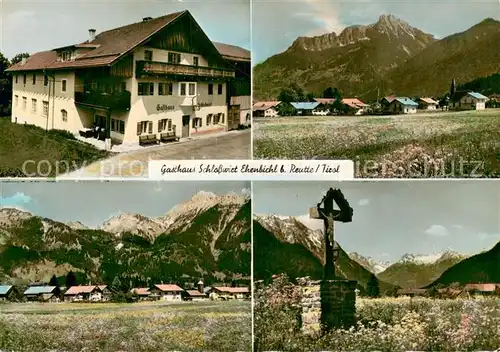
(329, 215)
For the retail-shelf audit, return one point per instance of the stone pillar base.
(107, 144)
(327, 304)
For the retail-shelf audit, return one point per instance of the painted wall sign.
(202, 104)
(163, 107)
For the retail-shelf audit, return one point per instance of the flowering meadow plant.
(441, 144)
(383, 324)
(138, 327)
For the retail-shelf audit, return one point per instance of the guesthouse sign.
(163, 107)
(204, 104)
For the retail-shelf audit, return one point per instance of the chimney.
(91, 34)
(201, 287)
(145, 19)
(23, 61)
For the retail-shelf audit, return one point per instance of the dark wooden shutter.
(151, 89)
(159, 126)
(150, 127)
(139, 129)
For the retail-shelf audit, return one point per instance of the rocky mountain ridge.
(384, 58)
(207, 236)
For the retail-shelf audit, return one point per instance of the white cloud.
(364, 202)
(326, 14)
(17, 200)
(437, 230)
(487, 236)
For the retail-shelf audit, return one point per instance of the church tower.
(452, 88)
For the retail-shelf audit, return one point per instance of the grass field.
(31, 151)
(440, 144)
(148, 326)
(383, 324)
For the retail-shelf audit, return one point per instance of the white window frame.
(166, 86)
(45, 108)
(187, 86)
(145, 127)
(197, 122)
(64, 115)
(165, 125)
(116, 126)
(209, 119)
(33, 105)
(25, 103)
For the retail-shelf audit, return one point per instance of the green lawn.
(31, 151)
(134, 327)
(441, 144)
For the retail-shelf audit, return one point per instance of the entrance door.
(100, 121)
(185, 125)
(233, 118)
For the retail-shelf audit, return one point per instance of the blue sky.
(93, 202)
(397, 217)
(37, 25)
(277, 23)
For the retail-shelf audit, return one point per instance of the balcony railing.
(113, 101)
(163, 68)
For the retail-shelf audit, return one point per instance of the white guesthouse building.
(144, 79)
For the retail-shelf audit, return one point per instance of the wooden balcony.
(146, 68)
(112, 101)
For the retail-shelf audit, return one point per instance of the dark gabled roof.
(109, 46)
(112, 44)
(232, 52)
(459, 95)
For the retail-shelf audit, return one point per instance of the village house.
(160, 79)
(89, 293)
(195, 295)
(225, 292)
(266, 109)
(305, 108)
(467, 101)
(411, 292)
(239, 89)
(7, 292)
(105, 292)
(385, 102)
(142, 293)
(427, 104)
(42, 294)
(168, 292)
(402, 105)
(489, 289)
(323, 109)
(355, 106)
(325, 101)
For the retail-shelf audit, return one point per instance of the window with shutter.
(150, 127)
(139, 128)
(160, 126)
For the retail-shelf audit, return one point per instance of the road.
(235, 145)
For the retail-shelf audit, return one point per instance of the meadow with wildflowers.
(439, 144)
(148, 326)
(383, 324)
